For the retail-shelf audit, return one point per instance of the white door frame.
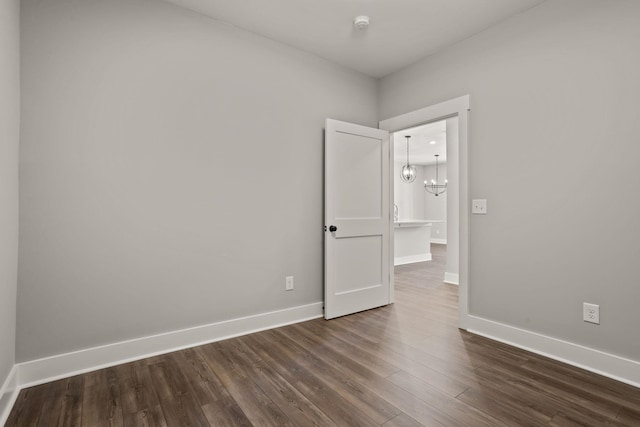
(458, 107)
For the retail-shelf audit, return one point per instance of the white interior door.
(357, 218)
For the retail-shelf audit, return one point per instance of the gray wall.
(554, 126)
(134, 180)
(171, 171)
(9, 137)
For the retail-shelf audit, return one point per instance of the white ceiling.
(421, 151)
(401, 31)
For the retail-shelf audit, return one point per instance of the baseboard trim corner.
(52, 368)
(596, 361)
(451, 278)
(8, 394)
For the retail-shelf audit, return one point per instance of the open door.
(357, 218)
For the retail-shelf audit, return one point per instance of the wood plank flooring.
(403, 365)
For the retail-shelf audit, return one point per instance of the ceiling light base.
(361, 22)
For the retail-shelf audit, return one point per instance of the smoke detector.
(361, 22)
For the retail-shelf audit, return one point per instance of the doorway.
(420, 200)
(455, 114)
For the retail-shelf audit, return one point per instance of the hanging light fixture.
(408, 173)
(434, 187)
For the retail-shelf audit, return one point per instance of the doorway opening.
(420, 203)
(453, 115)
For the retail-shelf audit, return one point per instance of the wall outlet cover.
(288, 283)
(591, 313)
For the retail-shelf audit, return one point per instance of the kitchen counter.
(412, 241)
(414, 223)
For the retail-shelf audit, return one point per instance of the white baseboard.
(606, 364)
(410, 259)
(47, 369)
(8, 394)
(452, 278)
(439, 241)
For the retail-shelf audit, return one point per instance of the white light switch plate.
(479, 206)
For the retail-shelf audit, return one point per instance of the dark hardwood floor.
(402, 365)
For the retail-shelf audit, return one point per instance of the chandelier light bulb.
(408, 174)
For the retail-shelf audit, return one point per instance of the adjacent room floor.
(402, 365)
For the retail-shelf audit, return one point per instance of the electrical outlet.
(591, 313)
(479, 206)
(288, 283)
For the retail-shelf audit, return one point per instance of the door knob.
(333, 228)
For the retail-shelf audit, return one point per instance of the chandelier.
(434, 187)
(408, 173)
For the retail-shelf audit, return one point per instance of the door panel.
(357, 204)
(365, 254)
(362, 160)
